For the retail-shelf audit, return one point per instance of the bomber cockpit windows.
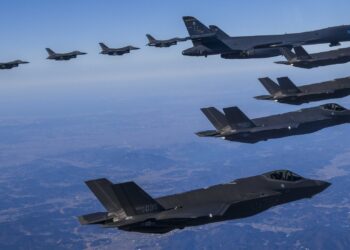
(333, 107)
(284, 175)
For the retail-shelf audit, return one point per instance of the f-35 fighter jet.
(130, 208)
(234, 125)
(286, 91)
(164, 43)
(116, 52)
(12, 64)
(213, 41)
(63, 56)
(302, 59)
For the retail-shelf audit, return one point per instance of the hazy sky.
(27, 27)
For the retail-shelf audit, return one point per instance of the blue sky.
(27, 27)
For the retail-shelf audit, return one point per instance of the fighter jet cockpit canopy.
(333, 107)
(283, 175)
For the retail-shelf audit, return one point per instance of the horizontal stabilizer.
(215, 117)
(134, 200)
(287, 86)
(95, 218)
(237, 119)
(270, 85)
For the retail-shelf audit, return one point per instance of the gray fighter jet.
(213, 41)
(130, 208)
(12, 64)
(234, 125)
(63, 56)
(286, 91)
(116, 52)
(302, 59)
(164, 43)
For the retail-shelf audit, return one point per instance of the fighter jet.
(286, 91)
(63, 56)
(234, 125)
(12, 64)
(302, 59)
(116, 52)
(130, 208)
(164, 43)
(213, 41)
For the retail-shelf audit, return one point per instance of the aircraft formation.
(130, 208)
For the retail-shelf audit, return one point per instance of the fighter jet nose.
(322, 185)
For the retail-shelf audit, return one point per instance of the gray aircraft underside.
(212, 41)
(130, 208)
(234, 125)
(287, 92)
(302, 59)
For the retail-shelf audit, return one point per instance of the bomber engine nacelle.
(199, 50)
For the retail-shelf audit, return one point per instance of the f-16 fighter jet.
(116, 52)
(12, 64)
(302, 59)
(130, 208)
(286, 91)
(213, 41)
(63, 56)
(234, 125)
(164, 43)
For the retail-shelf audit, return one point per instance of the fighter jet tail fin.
(237, 119)
(301, 53)
(50, 51)
(218, 31)
(134, 200)
(287, 86)
(150, 38)
(270, 85)
(103, 190)
(287, 53)
(215, 117)
(103, 46)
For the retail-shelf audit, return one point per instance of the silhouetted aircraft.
(63, 56)
(164, 43)
(213, 41)
(302, 59)
(12, 64)
(116, 52)
(286, 91)
(234, 125)
(130, 208)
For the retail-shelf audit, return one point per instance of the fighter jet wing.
(291, 125)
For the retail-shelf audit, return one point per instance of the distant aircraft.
(116, 52)
(63, 56)
(234, 125)
(164, 43)
(286, 91)
(213, 41)
(302, 59)
(12, 64)
(130, 208)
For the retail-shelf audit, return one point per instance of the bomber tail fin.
(218, 31)
(50, 51)
(287, 86)
(215, 117)
(195, 27)
(237, 119)
(103, 46)
(270, 85)
(287, 53)
(301, 53)
(150, 38)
